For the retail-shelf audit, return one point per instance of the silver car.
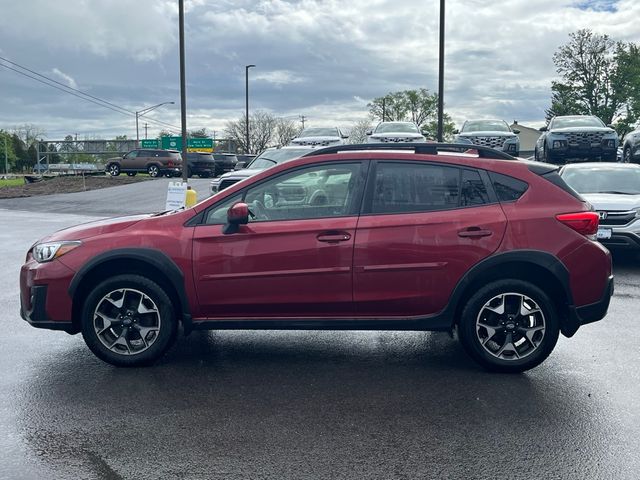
(490, 133)
(267, 159)
(319, 137)
(395, 132)
(614, 191)
(631, 147)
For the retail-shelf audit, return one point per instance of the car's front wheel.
(128, 320)
(509, 326)
(626, 154)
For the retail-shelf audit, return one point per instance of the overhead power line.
(80, 94)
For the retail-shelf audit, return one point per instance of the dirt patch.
(67, 184)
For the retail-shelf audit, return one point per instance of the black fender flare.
(152, 257)
(544, 260)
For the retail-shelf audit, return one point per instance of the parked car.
(244, 159)
(631, 146)
(614, 191)
(342, 238)
(155, 162)
(490, 133)
(318, 137)
(395, 132)
(268, 158)
(225, 162)
(576, 137)
(201, 164)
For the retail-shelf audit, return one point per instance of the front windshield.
(269, 158)
(485, 126)
(604, 180)
(569, 122)
(397, 127)
(319, 132)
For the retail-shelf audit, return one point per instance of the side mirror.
(456, 131)
(516, 131)
(238, 214)
(369, 132)
(344, 137)
(611, 126)
(544, 129)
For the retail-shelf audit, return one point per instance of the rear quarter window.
(508, 189)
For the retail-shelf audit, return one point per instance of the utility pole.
(6, 157)
(441, 77)
(303, 119)
(183, 94)
(246, 92)
(384, 108)
(146, 126)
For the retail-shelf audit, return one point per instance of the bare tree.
(262, 129)
(286, 130)
(358, 132)
(28, 133)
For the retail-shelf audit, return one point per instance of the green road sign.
(193, 144)
(153, 143)
(171, 143)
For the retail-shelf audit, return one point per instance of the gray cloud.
(323, 59)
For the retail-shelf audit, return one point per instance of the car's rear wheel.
(132, 174)
(153, 170)
(509, 326)
(113, 169)
(204, 174)
(128, 320)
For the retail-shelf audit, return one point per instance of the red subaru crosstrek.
(366, 237)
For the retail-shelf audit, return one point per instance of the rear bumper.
(589, 313)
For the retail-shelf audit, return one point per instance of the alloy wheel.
(510, 326)
(153, 171)
(127, 321)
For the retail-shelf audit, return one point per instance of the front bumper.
(44, 297)
(36, 316)
(587, 151)
(622, 240)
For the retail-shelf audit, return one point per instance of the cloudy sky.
(321, 59)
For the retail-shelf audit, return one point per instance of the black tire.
(113, 169)
(204, 174)
(626, 155)
(153, 171)
(536, 157)
(159, 339)
(471, 327)
(132, 174)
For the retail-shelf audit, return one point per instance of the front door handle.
(474, 232)
(333, 237)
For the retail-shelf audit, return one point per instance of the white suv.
(395, 132)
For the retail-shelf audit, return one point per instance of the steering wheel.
(258, 210)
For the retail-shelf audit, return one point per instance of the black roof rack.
(424, 148)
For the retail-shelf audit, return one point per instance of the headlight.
(45, 252)
(559, 144)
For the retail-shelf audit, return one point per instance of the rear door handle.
(474, 232)
(333, 237)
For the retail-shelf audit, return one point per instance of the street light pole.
(246, 103)
(144, 111)
(183, 94)
(441, 76)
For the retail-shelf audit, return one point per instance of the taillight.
(585, 223)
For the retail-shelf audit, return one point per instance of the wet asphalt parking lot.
(325, 405)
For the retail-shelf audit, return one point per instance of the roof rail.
(424, 148)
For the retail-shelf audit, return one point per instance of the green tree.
(6, 139)
(198, 133)
(417, 106)
(430, 129)
(598, 77)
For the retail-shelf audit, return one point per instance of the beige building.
(528, 138)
